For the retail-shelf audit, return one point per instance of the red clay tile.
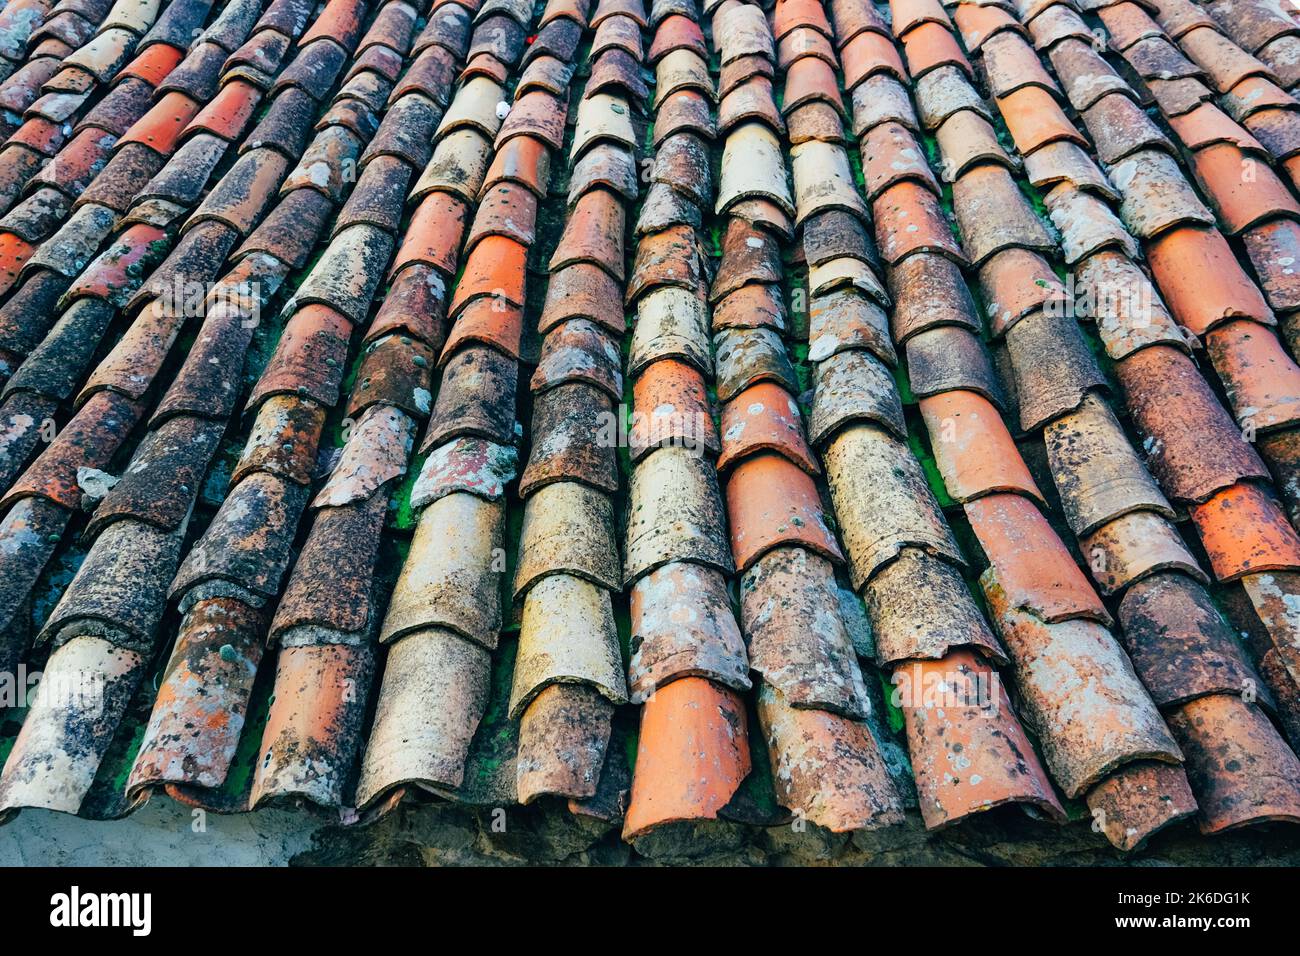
(1034, 120)
(802, 42)
(1225, 62)
(693, 753)
(869, 54)
(671, 407)
(1139, 800)
(969, 752)
(1092, 713)
(1261, 381)
(975, 453)
(314, 724)
(977, 23)
(910, 220)
(14, 253)
(1201, 281)
(846, 320)
(434, 234)
(827, 767)
(1015, 283)
(1240, 769)
(1244, 531)
(930, 46)
(89, 440)
(676, 33)
(593, 234)
(751, 101)
(1180, 644)
(486, 321)
(792, 14)
(1207, 125)
(153, 64)
(929, 291)
(967, 140)
(583, 291)
(228, 113)
(524, 160)
(764, 417)
(1178, 418)
(882, 501)
(993, 215)
(891, 154)
(568, 415)
(198, 715)
(1243, 191)
(1034, 568)
(909, 14)
(1272, 250)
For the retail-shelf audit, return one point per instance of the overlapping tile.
(433, 632)
(1130, 547)
(482, 659)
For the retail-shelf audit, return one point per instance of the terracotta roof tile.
(868, 55)
(1015, 283)
(1084, 74)
(1240, 768)
(909, 220)
(676, 514)
(682, 625)
(945, 91)
(482, 176)
(891, 155)
(1258, 376)
(193, 732)
(317, 716)
(1244, 531)
(975, 453)
(567, 636)
(882, 99)
(1179, 643)
(1133, 547)
(45, 732)
(1225, 62)
(568, 528)
(681, 69)
(930, 46)
(564, 418)
(227, 114)
(1034, 570)
(966, 140)
(1054, 367)
(969, 715)
(1098, 474)
(1140, 799)
(950, 357)
(1084, 739)
(1035, 120)
(450, 585)
(1224, 292)
(693, 755)
(476, 398)
(847, 319)
(771, 502)
(853, 387)
(672, 408)
(883, 502)
(1165, 394)
(979, 191)
(929, 291)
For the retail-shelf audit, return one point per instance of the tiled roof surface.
(672, 414)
